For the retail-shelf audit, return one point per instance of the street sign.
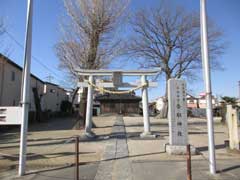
(10, 115)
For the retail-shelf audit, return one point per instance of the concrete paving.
(120, 154)
(86, 172)
(115, 164)
(49, 146)
(174, 170)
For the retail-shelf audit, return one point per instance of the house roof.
(189, 96)
(2, 57)
(46, 82)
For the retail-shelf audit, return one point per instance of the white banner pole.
(207, 77)
(26, 89)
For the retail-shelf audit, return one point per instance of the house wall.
(159, 104)
(35, 83)
(62, 95)
(53, 96)
(10, 84)
(203, 103)
(192, 103)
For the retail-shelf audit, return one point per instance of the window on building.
(12, 76)
(191, 101)
(52, 90)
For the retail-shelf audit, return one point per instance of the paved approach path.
(115, 163)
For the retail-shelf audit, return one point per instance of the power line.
(35, 58)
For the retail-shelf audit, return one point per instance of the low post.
(232, 122)
(77, 158)
(88, 125)
(146, 121)
(189, 167)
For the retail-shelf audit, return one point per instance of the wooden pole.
(77, 158)
(189, 168)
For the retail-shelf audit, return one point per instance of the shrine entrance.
(95, 82)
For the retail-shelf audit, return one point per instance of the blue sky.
(46, 33)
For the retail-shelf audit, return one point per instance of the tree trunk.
(164, 112)
(81, 117)
(73, 98)
(38, 107)
(198, 106)
(223, 112)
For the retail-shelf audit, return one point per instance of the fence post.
(189, 168)
(77, 158)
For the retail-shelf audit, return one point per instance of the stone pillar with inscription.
(232, 122)
(177, 117)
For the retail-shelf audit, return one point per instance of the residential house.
(10, 84)
(238, 102)
(159, 103)
(41, 95)
(53, 96)
(203, 103)
(192, 102)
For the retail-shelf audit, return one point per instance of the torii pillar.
(146, 121)
(88, 125)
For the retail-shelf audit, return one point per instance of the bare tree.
(89, 34)
(2, 28)
(170, 38)
(5, 47)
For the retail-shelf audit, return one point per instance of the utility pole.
(207, 77)
(239, 90)
(49, 78)
(26, 89)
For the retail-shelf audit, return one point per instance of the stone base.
(90, 135)
(178, 150)
(147, 135)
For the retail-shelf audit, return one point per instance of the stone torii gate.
(117, 82)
